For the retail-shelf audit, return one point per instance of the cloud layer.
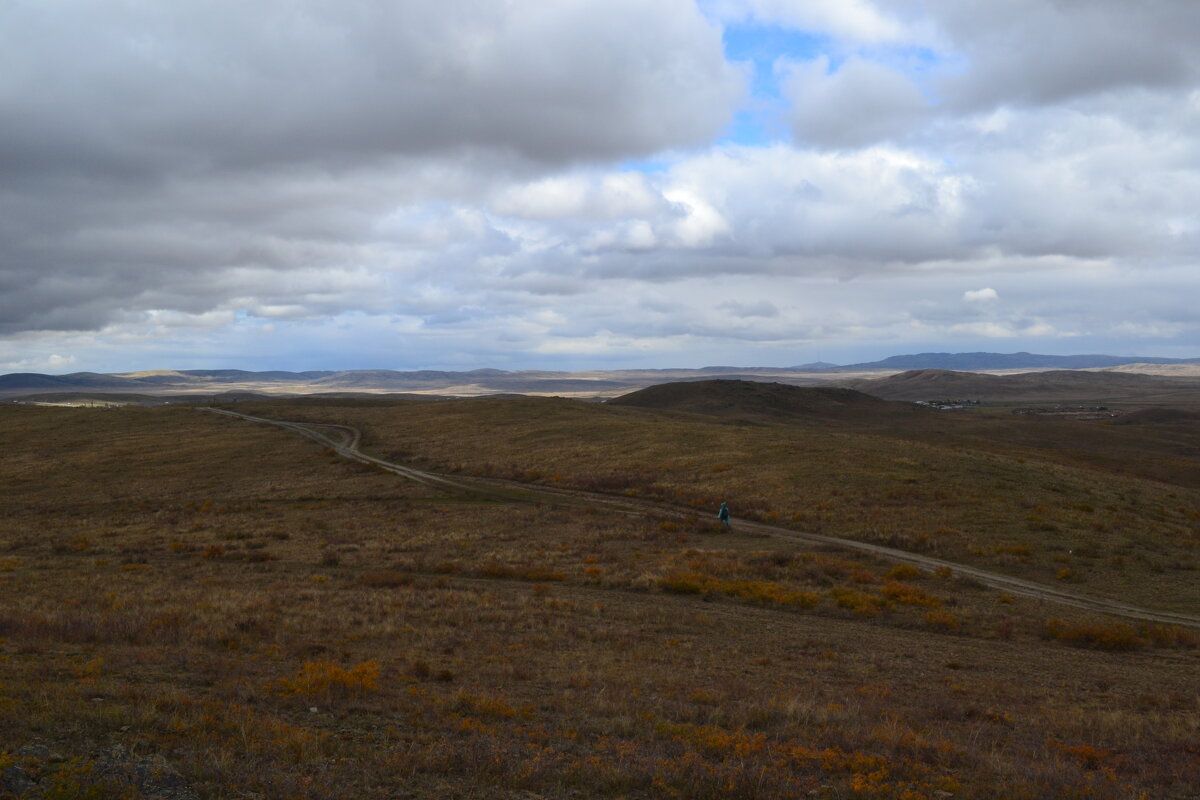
(470, 183)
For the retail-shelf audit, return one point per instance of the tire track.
(344, 440)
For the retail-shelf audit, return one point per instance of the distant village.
(1074, 412)
(947, 405)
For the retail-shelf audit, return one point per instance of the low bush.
(322, 678)
(1115, 636)
(765, 593)
(907, 594)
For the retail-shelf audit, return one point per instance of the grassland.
(275, 621)
(1123, 522)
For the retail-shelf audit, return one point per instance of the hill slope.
(751, 400)
(1040, 387)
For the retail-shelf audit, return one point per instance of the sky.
(594, 184)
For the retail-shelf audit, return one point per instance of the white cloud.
(980, 295)
(588, 196)
(984, 330)
(52, 363)
(1149, 330)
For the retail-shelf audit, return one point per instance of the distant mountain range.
(974, 362)
(607, 383)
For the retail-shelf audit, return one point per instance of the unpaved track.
(344, 440)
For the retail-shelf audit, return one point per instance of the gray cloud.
(861, 103)
(196, 84)
(445, 182)
(144, 147)
(1038, 52)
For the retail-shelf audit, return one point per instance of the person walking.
(723, 515)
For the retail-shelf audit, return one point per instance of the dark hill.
(1054, 386)
(241, 375)
(1158, 416)
(32, 381)
(926, 384)
(29, 380)
(762, 402)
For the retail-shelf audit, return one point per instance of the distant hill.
(227, 376)
(33, 382)
(1159, 416)
(1054, 386)
(379, 381)
(598, 383)
(970, 362)
(758, 401)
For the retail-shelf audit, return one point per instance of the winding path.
(344, 440)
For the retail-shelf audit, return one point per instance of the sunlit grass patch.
(759, 592)
(324, 678)
(860, 603)
(907, 594)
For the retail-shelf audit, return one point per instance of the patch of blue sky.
(763, 45)
(923, 59)
(761, 120)
(647, 166)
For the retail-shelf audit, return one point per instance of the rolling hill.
(611, 383)
(1056, 386)
(766, 402)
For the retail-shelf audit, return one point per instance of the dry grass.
(276, 621)
(966, 493)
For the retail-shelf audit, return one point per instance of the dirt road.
(344, 440)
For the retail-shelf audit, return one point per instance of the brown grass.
(399, 641)
(964, 493)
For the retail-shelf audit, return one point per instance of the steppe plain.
(195, 604)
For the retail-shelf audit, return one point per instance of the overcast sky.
(576, 184)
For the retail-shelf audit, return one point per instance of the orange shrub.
(537, 574)
(864, 605)
(1170, 635)
(902, 572)
(1114, 636)
(323, 677)
(688, 583)
(910, 595)
(863, 576)
(493, 706)
(765, 593)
